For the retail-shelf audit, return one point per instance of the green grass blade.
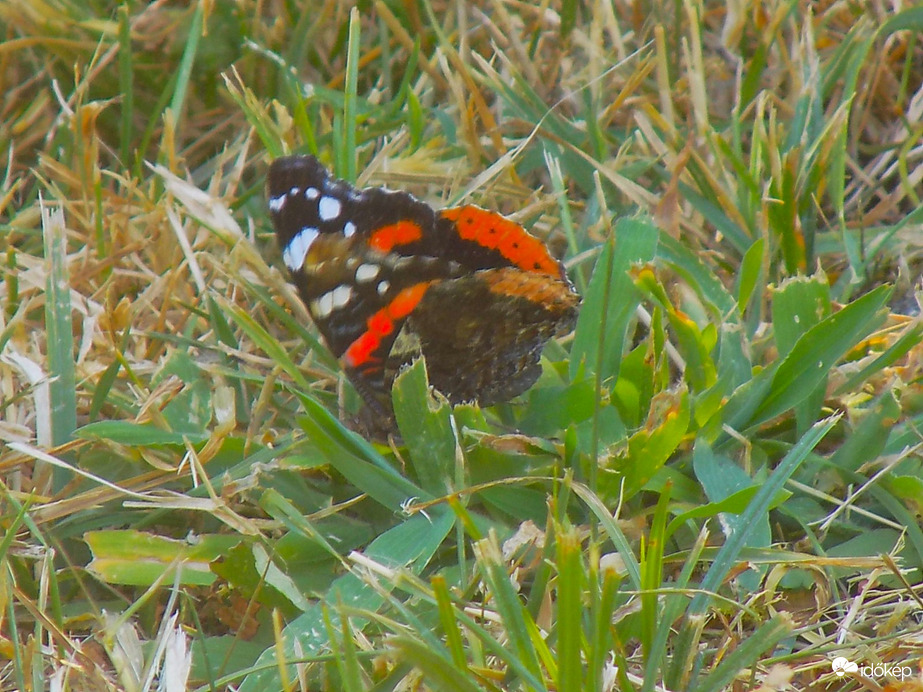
(614, 533)
(447, 617)
(797, 306)
(343, 646)
(751, 648)
(348, 167)
(907, 341)
(610, 299)
(184, 74)
(761, 503)
(674, 606)
(652, 572)
(729, 553)
(126, 84)
(59, 332)
(506, 601)
(809, 361)
(436, 668)
(357, 460)
(410, 545)
(271, 346)
(569, 609)
(426, 427)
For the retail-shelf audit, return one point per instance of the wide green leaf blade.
(409, 545)
(611, 299)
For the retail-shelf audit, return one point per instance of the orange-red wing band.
(400, 233)
(551, 294)
(361, 352)
(491, 230)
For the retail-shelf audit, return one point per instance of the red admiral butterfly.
(386, 277)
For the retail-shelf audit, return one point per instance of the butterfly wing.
(483, 334)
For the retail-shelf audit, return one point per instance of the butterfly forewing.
(357, 294)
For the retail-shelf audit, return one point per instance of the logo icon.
(842, 665)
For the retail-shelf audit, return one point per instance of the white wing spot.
(311, 193)
(341, 296)
(349, 229)
(276, 203)
(367, 272)
(323, 306)
(332, 300)
(298, 247)
(294, 191)
(383, 287)
(329, 208)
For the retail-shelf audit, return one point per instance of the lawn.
(716, 482)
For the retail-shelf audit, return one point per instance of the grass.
(716, 483)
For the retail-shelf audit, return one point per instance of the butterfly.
(387, 278)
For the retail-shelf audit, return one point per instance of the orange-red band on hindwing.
(496, 232)
(382, 323)
(400, 233)
(552, 295)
